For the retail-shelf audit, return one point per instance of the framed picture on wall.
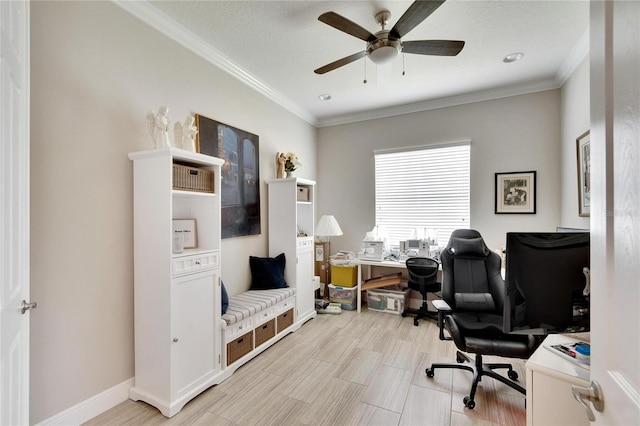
(515, 193)
(583, 147)
(240, 150)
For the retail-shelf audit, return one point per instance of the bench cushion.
(251, 302)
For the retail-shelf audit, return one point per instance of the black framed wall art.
(515, 193)
(239, 149)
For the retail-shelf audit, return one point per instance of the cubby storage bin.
(265, 331)
(239, 347)
(284, 320)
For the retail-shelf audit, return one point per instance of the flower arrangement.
(291, 162)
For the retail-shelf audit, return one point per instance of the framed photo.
(188, 229)
(583, 147)
(516, 193)
(240, 201)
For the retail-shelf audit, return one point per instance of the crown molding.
(148, 14)
(467, 98)
(574, 59)
(172, 29)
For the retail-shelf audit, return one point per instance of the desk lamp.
(327, 227)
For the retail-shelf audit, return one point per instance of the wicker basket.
(285, 320)
(239, 347)
(193, 179)
(265, 332)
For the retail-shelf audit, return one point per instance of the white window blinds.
(422, 189)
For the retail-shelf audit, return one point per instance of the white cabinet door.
(304, 282)
(193, 344)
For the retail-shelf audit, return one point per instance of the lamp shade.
(328, 227)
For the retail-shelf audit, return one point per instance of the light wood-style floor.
(348, 369)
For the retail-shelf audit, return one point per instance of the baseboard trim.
(92, 407)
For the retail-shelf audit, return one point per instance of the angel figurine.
(185, 134)
(281, 158)
(158, 126)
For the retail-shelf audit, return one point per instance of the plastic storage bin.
(344, 276)
(388, 299)
(346, 296)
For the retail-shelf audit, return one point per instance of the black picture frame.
(240, 150)
(515, 193)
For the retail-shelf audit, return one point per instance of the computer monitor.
(546, 282)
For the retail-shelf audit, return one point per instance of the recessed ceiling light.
(512, 57)
(324, 97)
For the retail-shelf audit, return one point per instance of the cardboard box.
(390, 299)
(344, 276)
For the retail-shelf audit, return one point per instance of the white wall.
(519, 133)
(96, 72)
(575, 121)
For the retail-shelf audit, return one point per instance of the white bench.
(255, 320)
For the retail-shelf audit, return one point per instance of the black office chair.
(423, 273)
(474, 291)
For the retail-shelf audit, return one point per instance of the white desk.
(369, 264)
(549, 379)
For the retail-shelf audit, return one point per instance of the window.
(423, 189)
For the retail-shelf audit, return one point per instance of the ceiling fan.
(385, 45)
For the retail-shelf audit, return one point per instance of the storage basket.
(193, 178)
(265, 332)
(285, 320)
(239, 347)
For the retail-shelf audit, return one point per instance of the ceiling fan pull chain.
(402, 63)
(365, 71)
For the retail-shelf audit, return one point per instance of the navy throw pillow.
(225, 298)
(267, 272)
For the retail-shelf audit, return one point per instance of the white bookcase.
(176, 296)
(291, 226)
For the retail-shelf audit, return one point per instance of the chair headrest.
(467, 247)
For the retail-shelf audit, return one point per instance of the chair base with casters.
(484, 341)
(421, 313)
(479, 369)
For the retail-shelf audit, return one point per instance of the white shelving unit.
(289, 218)
(176, 296)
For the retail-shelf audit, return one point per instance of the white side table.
(549, 379)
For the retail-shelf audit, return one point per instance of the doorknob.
(27, 306)
(592, 393)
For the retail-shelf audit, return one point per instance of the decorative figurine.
(158, 126)
(185, 134)
(281, 158)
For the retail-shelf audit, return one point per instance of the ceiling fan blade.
(417, 12)
(343, 24)
(340, 62)
(433, 47)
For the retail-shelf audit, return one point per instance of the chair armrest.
(441, 305)
(443, 308)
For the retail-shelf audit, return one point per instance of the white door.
(14, 211)
(615, 209)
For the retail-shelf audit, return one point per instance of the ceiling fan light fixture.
(512, 57)
(383, 49)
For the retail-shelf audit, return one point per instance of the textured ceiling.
(276, 45)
